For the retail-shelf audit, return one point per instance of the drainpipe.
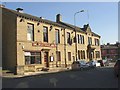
(65, 48)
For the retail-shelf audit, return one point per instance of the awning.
(27, 53)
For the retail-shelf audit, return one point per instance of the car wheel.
(117, 75)
(81, 68)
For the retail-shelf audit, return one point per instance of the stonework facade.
(110, 51)
(31, 43)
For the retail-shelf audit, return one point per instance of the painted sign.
(44, 44)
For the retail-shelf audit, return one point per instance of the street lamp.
(75, 31)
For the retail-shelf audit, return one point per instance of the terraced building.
(31, 43)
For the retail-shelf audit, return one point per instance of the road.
(93, 78)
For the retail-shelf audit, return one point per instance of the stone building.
(110, 51)
(31, 43)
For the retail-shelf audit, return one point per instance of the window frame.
(45, 34)
(69, 56)
(57, 37)
(33, 55)
(68, 38)
(58, 53)
(31, 31)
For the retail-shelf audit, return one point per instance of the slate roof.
(28, 16)
(60, 24)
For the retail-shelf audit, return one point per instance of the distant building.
(110, 51)
(31, 43)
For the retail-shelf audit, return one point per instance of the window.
(32, 58)
(68, 38)
(57, 36)
(81, 39)
(58, 56)
(30, 32)
(78, 54)
(78, 38)
(89, 41)
(97, 54)
(69, 56)
(97, 42)
(45, 34)
(82, 54)
(108, 51)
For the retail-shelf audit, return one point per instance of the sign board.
(44, 44)
(51, 58)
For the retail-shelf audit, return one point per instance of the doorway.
(46, 59)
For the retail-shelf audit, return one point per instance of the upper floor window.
(57, 36)
(78, 38)
(30, 32)
(97, 42)
(68, 38)
(45, 34)
(81, 39)
(89, 41)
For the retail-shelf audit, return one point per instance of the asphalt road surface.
(93, 78)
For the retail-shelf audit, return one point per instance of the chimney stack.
(1, 5)
(19, 10)
(58, 18)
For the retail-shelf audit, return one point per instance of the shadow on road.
(102, 77)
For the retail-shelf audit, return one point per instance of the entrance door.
(46, 59)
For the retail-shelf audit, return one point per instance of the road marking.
(22, 85)
(53, 81)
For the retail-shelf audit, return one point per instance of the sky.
(103, 16)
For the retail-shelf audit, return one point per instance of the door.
(46, 59)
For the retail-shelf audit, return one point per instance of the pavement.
(51, 70)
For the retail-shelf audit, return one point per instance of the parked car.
(80, 64)
(75, 65)
(83, 64)
(105, 62)
(91, 64)
(117, 68)
(94, 63)
(101, 63)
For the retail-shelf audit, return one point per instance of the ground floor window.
(97, 54)
(33, 58)
(78, 54)
(82, 54)
(69, 56)
(58, 56)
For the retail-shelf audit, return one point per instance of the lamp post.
(75, 32)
